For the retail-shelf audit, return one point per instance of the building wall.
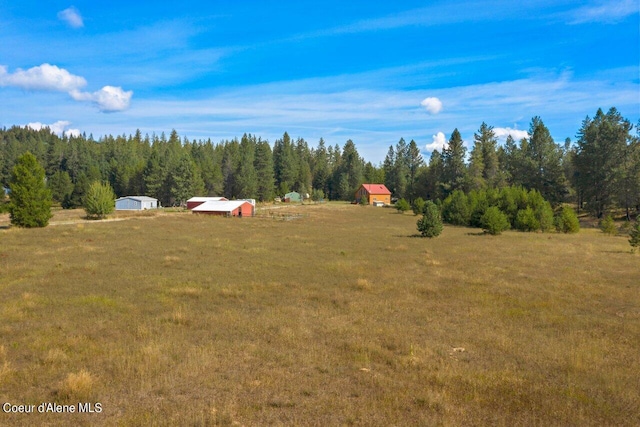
(191, 205)
(385, 198)
(128, 204)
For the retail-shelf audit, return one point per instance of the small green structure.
(293, 197)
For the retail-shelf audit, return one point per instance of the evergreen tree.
(263, 164)
(602, 142)
(487, 142)
(434, 177)
(430, 225)
(320, 170)
(351, 166)
(99, 201)
(30, 204)
(494, 221)
(475, 176)
(284, 163)
(60, 185)
(453, 164)
(543, 169)
(414, 163)
(246, 176)
(567, 221)
(184, 181)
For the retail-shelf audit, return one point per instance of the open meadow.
(337, 316)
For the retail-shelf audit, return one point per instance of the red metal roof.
(376, 189)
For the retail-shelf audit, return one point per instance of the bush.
(608, 226)
(317, 195)
(526, 220)
(402, 205)
(634, 236)
(418, 206)
(99, 201)
(455, 209)
(30, 204)
(430, 225)
(494, 221)
(567, 221)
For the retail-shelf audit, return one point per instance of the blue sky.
(370, 71)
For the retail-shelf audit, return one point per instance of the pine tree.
(30, 204)
(543, 169)
(263, 164)
(247, 178)
(601, 144)
(60, 185)
(454, 168)
(414, 163)
(430, 225)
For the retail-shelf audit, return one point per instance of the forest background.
(599, 171)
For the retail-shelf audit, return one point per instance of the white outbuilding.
(136, 203)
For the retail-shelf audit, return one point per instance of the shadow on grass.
(480, 233)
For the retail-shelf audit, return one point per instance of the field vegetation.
(339, 316)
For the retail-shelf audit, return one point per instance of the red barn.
(238, 208)
(374, 194)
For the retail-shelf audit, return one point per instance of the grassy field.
(339, 316)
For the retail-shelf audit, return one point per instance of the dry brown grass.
(339, 317)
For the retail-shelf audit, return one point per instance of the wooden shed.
(136, 203)
(197, 201)
(237, 208)
(374, 194)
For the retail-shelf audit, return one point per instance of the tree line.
(599, 171)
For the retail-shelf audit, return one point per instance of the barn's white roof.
(206, 199)
(139, 198)
(219, 206)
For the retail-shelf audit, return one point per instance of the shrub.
(478, 204)
(608, 226)
(430, 225)
(402, 205)
(526, 220)
(418, 206)
(30, 204)
(455, 209)
(544, 214)
(567, 221)
(317, 195)
(494, 221)
(99, 201)
(634, 236)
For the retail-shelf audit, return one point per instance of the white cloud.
(439, 141)
(432, 105)
(51, 78)
(108, 99)
(502, 133)
(59, 128)
(42, 77)
(608, 12)
(72, 17)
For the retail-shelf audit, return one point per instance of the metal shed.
(136, 203)
(294, 196)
